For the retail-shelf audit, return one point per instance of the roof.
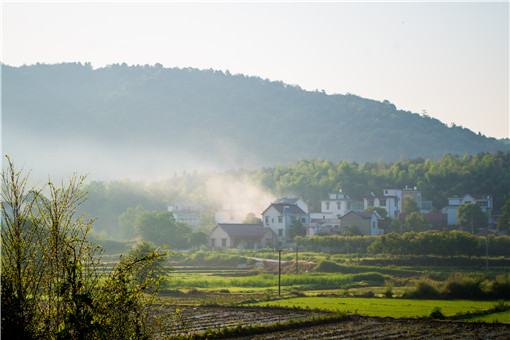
(379, 197)
(288, 200)
(243, 230)
(286, 208)
(363, 214)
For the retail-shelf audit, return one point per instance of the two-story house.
(339, 204)
(367, 222)
(279, 216)
(391, 201)
(483, 200)
(186, 212)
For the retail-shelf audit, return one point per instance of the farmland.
(230, 295)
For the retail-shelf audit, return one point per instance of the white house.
(291, 200)
(339, 204)
(390, 203)
(483, 200)
(279, 216)
(187, 212)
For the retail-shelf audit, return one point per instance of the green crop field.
(397, 308)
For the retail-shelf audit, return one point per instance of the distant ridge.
(127, 115)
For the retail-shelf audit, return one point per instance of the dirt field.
(354, 327)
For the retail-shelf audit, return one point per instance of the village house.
(241, 236)
(279, 216)
(366, 221)
(483, 200)
(339, 204)
(186, 212)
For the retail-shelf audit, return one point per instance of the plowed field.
(354, 327)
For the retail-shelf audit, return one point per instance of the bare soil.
(199, 318)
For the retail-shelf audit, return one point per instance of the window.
(339, 205)
(370, 203)
(223, 242)
(267, 220)
(382, 202)
(327, 205)
(280, 232)
(280, 219)
(303, 220)
(373, 225)
(348, 206)
(272, 220)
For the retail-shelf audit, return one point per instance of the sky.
(450, 60)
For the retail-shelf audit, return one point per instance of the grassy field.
(396, 308)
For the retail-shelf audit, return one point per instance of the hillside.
(154, 117)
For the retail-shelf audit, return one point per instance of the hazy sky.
(450, 59)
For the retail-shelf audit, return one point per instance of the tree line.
(310, 180)
(432, 243)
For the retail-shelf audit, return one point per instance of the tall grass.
(315, 280)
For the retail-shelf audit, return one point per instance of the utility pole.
(297, 260)
(487, 253)
(279, 269)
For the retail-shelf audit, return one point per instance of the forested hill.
(150, 113)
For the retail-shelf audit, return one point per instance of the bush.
(462, 287)
(422, 290)
(327, 267)
(499, 288)
(437, 314)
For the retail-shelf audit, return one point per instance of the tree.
(471, 216)
(252, 219)
(352, 230)
(416, 222)
(155, 269)
(162, 228)
(127, 221)
(504, 220)
(197, 239)
(410, 205)
(296, 228)
(52, 285)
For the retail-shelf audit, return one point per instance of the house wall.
(219, 239)
(354, 219)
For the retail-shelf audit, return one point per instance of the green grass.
(502, 317)
(397, 308)
(311, 280)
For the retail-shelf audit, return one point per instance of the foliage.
(504, 219)
(296, 228)
(52, 284)
(161, 228)
(416, 222)
(471, 216)
(352, 230)
(251, 218)
(327, 267)
(460, 286)
(436, 313)
(423, 289)
(155, 269)
(409, 205)
(197, 239)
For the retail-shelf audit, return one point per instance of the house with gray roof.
(241, 236)
(279, 217)
(366, 221)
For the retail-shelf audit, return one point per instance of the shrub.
(422, 290)
(463, 287)
(499, 288)
(437, 314)
(326, 266)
